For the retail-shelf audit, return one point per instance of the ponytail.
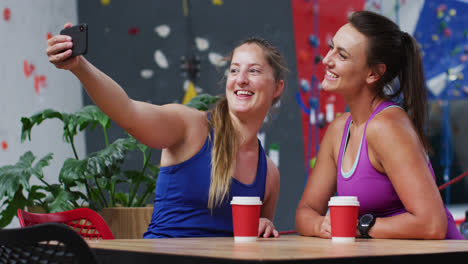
(223, 156)
(400, 54)
(412, 85)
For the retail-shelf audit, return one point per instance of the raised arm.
(311, 219)
(395, 148)
(153, 125)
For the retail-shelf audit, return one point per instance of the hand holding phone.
(79, 35)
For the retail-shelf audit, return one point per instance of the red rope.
(443, 186)
(287, 232)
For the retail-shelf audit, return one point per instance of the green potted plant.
(83, 181)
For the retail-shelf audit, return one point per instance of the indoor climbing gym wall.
(315, 23)
(442, 31)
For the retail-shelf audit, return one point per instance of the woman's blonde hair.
(225, 137)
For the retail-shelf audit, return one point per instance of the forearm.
(104, 91)
(409, 226)
(308, 221)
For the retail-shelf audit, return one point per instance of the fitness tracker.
(366, 222)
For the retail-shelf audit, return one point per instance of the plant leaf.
(15, 177)
(95, 201)
(73, 171)
(134, 176)
(59, 199)
(202, 101)
(154, 169)
(35, 195)
(36, 119)
(140, 146)
(121, 198)
(45, 161)
(110, 157)
(91, 114)
(18, 202)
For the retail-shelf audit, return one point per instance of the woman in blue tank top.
(376, 152)
(205, 159)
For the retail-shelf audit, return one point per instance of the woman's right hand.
(325, 227)
(59, 51)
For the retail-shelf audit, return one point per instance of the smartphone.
(79, 35)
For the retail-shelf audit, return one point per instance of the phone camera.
(81, 28)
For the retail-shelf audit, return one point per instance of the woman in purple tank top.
(376, 152)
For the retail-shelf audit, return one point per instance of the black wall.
(122, 56)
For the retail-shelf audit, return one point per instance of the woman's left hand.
(266, 228)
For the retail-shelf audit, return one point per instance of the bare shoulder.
(193, 118)
(338, 123)
(390, 122)
(391, 131)
(194, 125)
(184, 110)
(335, 131)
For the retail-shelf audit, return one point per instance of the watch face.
(366, 219)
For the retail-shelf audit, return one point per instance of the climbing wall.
(315, 23)
(442, 31)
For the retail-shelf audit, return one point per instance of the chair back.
(86, 222)
(44, 243)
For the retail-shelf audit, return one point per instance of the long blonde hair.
(225, 137)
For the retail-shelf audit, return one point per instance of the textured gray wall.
(23, 64)
(123, 56)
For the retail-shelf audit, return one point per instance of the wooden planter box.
(127, 222)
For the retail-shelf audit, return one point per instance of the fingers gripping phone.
(79, 35)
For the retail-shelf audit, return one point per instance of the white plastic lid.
(343, 200)
(246, 200)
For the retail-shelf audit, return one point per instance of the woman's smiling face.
(251, 83)
(345, 62)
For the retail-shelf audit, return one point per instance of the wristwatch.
(366, 222)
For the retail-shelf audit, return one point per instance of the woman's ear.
(278, 88)
(376, 73)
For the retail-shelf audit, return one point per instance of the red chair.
(84, 221)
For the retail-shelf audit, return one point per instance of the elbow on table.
(303, 227)
(436, 229)
(301, 230)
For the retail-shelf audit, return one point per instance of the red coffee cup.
(343, 216)
(245, 217)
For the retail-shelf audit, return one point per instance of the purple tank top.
(374, 190)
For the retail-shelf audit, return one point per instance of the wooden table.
(287, 249)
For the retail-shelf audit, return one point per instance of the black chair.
(44, 243)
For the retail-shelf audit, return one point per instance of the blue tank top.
(181, 202)
(374, 189)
